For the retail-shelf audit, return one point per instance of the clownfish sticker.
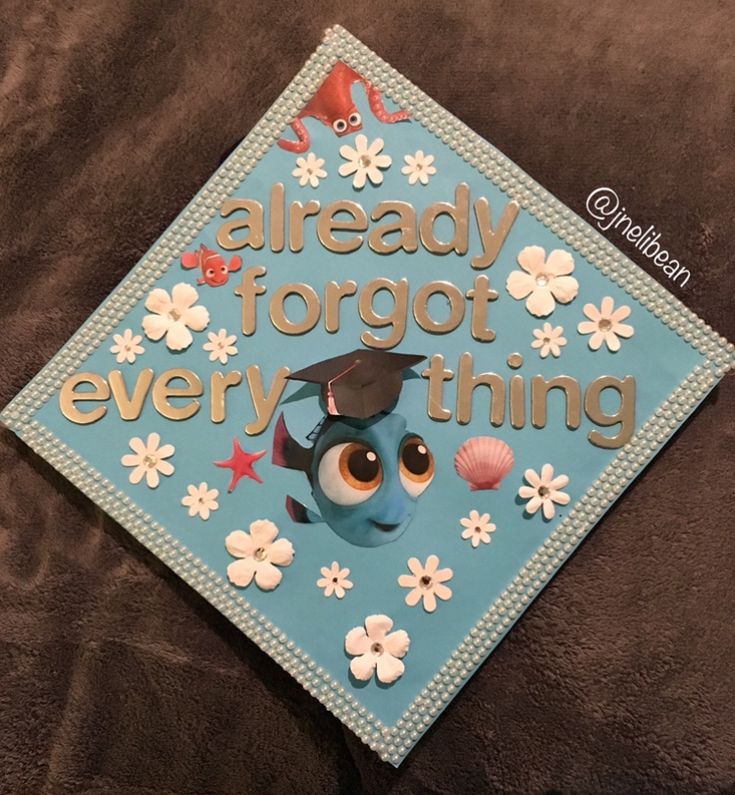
(215, 271)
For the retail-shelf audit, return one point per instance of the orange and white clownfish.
(215, 271)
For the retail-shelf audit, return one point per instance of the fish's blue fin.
(300, 513)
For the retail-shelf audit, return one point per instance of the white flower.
(543, 280)
(174, 316)
(127, 346)
(549, 339)
(201, 500)
(364, 161)
(309, 169)
(427, 582)
(604, 324)
(418, 168)
(334, 580)
(477, 528)
(220, 346)
(544, 490)
(147, 458)
(259, 553)
(377, 649)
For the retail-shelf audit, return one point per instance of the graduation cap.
(361, 383)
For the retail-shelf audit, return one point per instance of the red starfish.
(241, 464)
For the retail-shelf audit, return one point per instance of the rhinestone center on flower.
(259, 553)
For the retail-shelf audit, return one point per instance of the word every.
(603, 205)
(174, 395)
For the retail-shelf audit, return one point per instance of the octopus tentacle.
(304, 141)
(379, 109)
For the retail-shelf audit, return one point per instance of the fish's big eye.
(209, 272)
(223, 269)
(354, 119)
(339, 125)
(416, 465)
(350, 473)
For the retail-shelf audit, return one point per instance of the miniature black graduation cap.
(361, 383)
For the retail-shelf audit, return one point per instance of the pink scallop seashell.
(483, 462)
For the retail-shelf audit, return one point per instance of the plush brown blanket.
(114, 676)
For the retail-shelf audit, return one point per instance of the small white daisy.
(147, 459)
(426, 582)
(418, 168)
(309, 170)
(477, 528)
(334, 580)
(549, 340)
(127, 346)
(544, 491)
(200, 500)
(605, 324)
(220, 346)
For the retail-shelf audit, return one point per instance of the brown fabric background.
(114, 676)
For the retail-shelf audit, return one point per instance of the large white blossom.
(173, 315)
(375, 648)
(364, 161)
(259, 554)
(543, 281)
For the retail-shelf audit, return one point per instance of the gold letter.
(253, 223)
(328, 223)
(405, 224)
(458, 212)
(264, 404)
(437, 375)
(219, 384)
(247, 290)
(162, 391)
(540, 389)
(625, 415)
(68, 396)
(480, 295)
(396, 319)
(517, 401)
(492, 241)
(277, 208)
(333, 294)
(466, 386)
(278, 311)
(454, 297)
(297, 214)
(128, 407)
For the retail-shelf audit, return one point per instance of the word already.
(174, 394)
(402, 228)
(603, 205)
(454, 303)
